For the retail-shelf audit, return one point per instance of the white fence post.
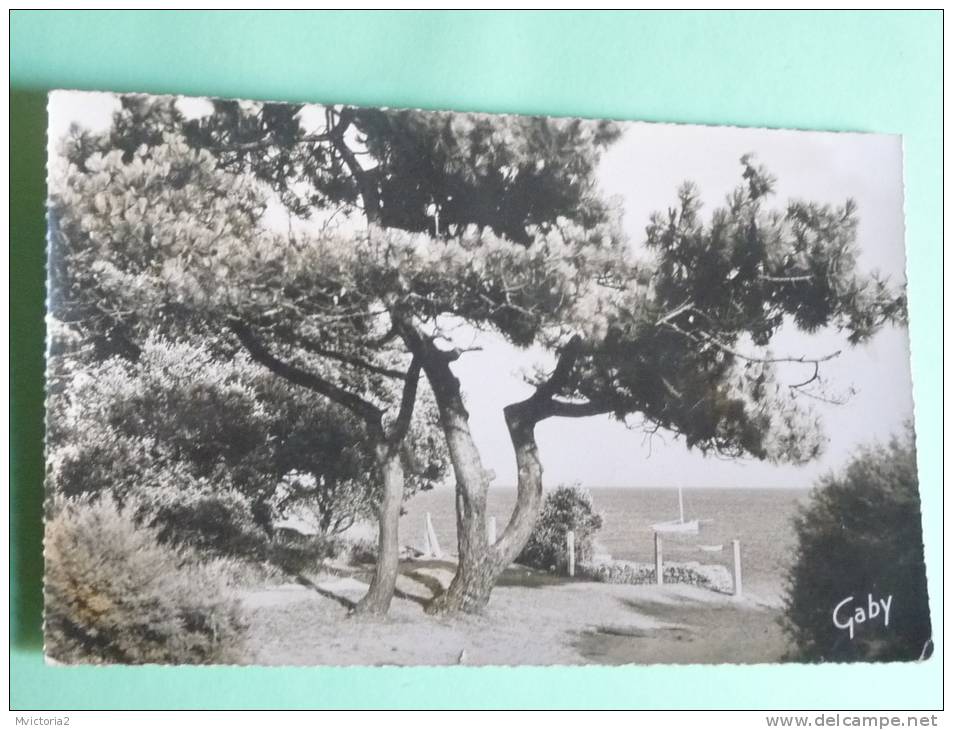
(491, 530)
(659, 574)
(571, 551)
(736, 546)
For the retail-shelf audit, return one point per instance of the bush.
(566, 508)
(860, 535)
(362, 552)
(114, 594)
(295, 552)
(214, 448)
(244, 573)
(208, 520)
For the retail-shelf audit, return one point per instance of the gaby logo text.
(847, 615)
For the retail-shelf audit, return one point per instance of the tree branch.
(564, 409)
(335, 132)
(815, 376)
(371, 414)
(332, 133)
(312, 346)
(407, 400)
(705, 338)
(422, 345)
(787, 279)
(383, 339)
(542, 404)
(567, 359)
(688, 304)
(365, 182)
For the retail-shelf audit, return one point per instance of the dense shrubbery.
(211, 521)
(181, 421)
(115, 594)
(214, 450)
(566, 508)
(861, 535)
(170, 473)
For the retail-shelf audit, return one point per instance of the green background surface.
(820, 70)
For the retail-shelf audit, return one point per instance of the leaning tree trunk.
(521, 422)
(476, 576)
(470, 588)
(479, 564)
(379, 595)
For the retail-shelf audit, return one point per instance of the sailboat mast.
(681, 506)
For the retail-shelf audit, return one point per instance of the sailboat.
(679, 525)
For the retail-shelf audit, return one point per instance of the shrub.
(114, 594)
(331, 506)
(295, 552)
(860, 534)
(209, 520)
(244, 573)
(362, 552)
(566, 508)
(213, 447)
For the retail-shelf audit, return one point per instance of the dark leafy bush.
(212, 521)
(861, 536)
(295, 552)
(566, 508)
(114, 594)
(362, 552)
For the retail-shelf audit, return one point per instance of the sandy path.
(570, 623)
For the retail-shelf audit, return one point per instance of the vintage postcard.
(332, 385)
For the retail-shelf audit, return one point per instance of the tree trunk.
(470, 588)
(476, 576)
(469, 591)
(479, 564)
(379, 595)
(521, 422)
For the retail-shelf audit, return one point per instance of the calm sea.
(759, 518)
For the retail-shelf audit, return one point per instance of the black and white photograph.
(336, 385)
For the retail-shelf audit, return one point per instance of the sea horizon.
(761, 518)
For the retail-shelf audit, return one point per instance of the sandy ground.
(541, 622)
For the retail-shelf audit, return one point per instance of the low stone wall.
(715, 577)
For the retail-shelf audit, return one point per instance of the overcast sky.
(644, 169)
